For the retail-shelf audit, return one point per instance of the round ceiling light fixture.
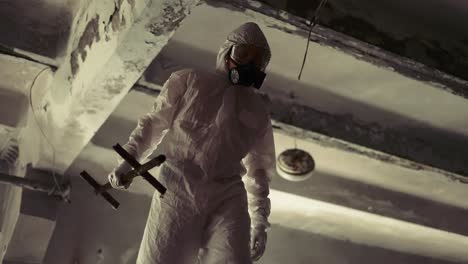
(295, 165)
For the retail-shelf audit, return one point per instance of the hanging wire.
(57, 185)
(313, 23)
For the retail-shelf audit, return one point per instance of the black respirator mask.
(249, 60)
(246, 75)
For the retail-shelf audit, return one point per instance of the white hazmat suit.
(220, 153)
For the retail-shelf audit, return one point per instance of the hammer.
(138, 170)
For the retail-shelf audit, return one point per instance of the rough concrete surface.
(107, 46)
(430, 32)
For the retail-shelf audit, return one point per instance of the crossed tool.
(138, 170)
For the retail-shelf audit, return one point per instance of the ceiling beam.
(116, 43)
(113, 42)
(413, 148)
(418, 147)
(329, 220)
(283, 21)
(444, 154)
(390, 201)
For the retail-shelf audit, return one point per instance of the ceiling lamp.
(295, 165)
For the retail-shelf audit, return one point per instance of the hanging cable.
(313, 22)
(57, 184)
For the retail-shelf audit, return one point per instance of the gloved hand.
(114, 176)
(258, 239)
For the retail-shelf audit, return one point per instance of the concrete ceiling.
(432, 18)
(339, 95)
(332, 81)
(387, 139)
(432, 32)
(356, 182)
(340, 84)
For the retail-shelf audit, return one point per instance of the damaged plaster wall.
(98, 22)
(110, 45)
(45, 31)
(102, 67)
(82, 249)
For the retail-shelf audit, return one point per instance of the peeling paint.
(115, 18)
(134, 66)
(115, 86)
(89, 36)
(96, 95)
(123, 22)
(132, 3)
(172, 16)
(116, 21)
(74, 62)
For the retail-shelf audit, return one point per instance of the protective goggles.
(246, 54)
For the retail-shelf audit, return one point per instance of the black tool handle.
(126, 156)
(156, 184)
(98, 189)
(110, 199)
(157, 161)
(135, 164)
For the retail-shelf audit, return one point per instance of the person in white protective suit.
(216, 133)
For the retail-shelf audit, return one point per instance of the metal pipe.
(62, 193)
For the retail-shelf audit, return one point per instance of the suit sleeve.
(260, 163)
(153, 126)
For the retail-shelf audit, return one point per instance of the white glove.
(114, 176)
(258, 239)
